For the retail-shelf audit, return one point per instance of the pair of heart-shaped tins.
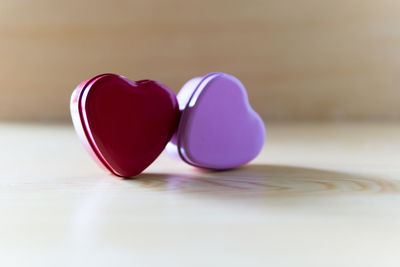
(125, 125)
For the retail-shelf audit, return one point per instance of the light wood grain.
(299, 59)
(318, 195)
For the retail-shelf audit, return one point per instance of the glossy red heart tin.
(124, 125)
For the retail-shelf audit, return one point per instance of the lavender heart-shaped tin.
(218, 128)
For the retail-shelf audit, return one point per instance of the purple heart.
(218, 128)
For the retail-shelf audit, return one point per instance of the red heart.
(124, 125)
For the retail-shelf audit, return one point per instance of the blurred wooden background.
(305, 59)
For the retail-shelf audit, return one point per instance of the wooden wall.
(305, 59)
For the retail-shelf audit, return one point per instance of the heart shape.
(218, 128)
(124, 125)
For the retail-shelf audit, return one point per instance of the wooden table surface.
(318, 195)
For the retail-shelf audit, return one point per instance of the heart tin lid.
(218, 128)
(124, 125)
